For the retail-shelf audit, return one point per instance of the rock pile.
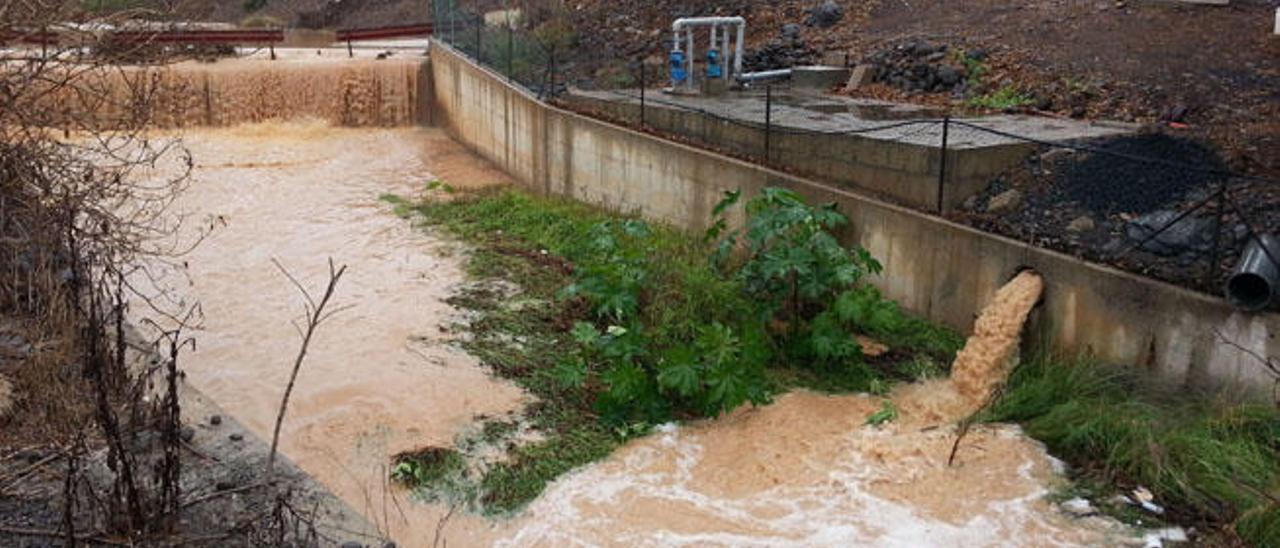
(921, 67)
(825, 15)
(789, 49)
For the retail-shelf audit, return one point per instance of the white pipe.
(704, 21)
(737, 50)
(689, 60)
(728, 57)
(689, 22)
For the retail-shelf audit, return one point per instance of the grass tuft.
(1210, 461)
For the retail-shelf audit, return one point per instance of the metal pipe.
(687, 24)
(764, 75)
(727, 55)
(737, 50)
(689, 60)
(705, 21)
(1252, 285)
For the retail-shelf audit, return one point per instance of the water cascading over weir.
(361, 92)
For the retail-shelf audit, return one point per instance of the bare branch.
(315, 315)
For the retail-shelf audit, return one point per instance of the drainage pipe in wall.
(1253, 284)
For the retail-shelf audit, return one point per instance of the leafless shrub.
(76, 223)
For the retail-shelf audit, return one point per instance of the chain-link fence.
(1148, 202)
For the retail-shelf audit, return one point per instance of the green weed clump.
(618, 325)
(1004, 98)
(1210, 461)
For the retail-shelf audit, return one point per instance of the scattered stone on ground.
(862, 75)
(1005, 201)
(787, 50)
(919, 66)
(1078, 507)
(825, 15)
(1083, 223)
(6, 396)
(1188, 234)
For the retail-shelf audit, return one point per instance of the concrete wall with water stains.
(934, 268)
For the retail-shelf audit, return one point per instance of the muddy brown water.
(382, 378)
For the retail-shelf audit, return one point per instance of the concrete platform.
(891, 149)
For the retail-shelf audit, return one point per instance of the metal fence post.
(942, 163)
(350, 52)
(479, 43)
(551, 75)
(1215, 253)
(768, 122)
(511, 49)
(642, 86)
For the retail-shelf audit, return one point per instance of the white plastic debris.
(1078, 507)
(1157, 537)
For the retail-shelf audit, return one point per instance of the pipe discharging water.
(990, 354)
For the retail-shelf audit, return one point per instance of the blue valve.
(678, 72)
(714, 68)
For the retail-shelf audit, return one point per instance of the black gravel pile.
(1114, 184)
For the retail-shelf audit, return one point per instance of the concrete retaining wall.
(901, 172)
(937, 269)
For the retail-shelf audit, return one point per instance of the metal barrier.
(382, 33)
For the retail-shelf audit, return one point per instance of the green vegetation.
(1208, 461)
(616, 325)
(887, 413)
(251, 6)
(1004, 98)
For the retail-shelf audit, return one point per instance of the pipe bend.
(688, 21)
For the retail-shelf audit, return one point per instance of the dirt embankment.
(1214, 68)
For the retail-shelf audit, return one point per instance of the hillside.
(1213, 70)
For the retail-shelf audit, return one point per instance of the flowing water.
(344, 92)
(808, 471)
(381, 379)
(382, 376)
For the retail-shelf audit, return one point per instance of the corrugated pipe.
(1252, 285)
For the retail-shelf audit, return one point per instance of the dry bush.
(76, 224)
